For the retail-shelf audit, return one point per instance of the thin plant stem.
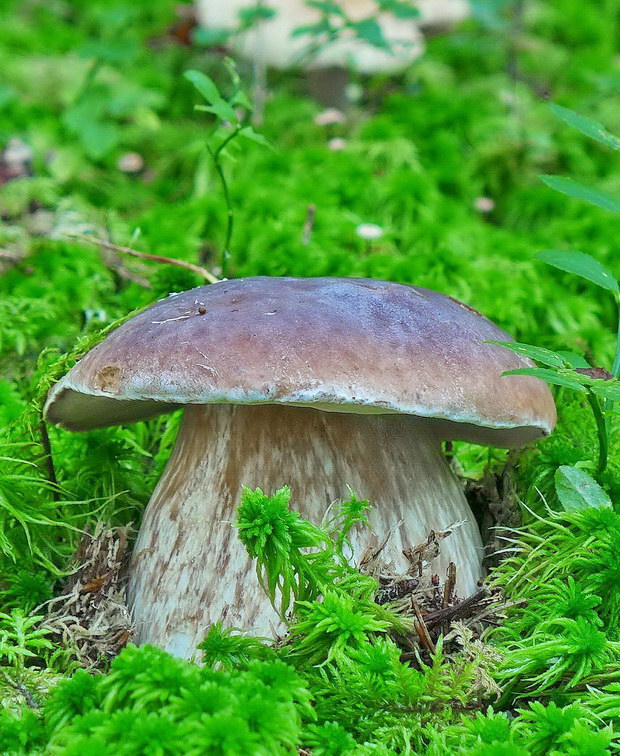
(608, 404)
(215, 156)
(616, 366)
(601, 428)
(49, 460)
(89, 78)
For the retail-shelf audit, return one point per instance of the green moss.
(419, 151)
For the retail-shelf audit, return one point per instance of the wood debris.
(91, 614)
(430, 599)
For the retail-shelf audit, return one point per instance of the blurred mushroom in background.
(375, 42)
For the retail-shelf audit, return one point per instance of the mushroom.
(274, 42)
(316, 383)
(438, 16)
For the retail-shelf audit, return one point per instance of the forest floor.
(101, 150)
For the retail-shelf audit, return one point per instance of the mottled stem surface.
(189, 569)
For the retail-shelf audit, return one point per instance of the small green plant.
(102, 103)
(21, 638)
(247, 18)
(600, 387)
(151, 702)
(228, 648)
(339, 638)
(541, 729)
(562, 635)
(232, 115)
(334, 608)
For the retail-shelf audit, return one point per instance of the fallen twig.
(12, 257)
(9, 259)
(113, 261)
(22, 690)
(197, 269)
(457, 611)
(309, 224)
(421, 628)
(398, 590)
(450, 585)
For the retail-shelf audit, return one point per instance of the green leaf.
(223, 111)
(113, 51)
(211, 37)
(580, 191)
(574, 360)
(249, 133)
(577, 490)
(240, 99)
(587, 126)
(399, 8)
(549, 376)
(98, 138)
(326, 6)
(204, 84)
(249, 17)
(581, 264)
(7, 95)
(231, 67)
(314, 30)
(540, 354)
(369, 31)
(89, 108)
(607, 389)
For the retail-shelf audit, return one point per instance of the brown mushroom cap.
(336, 344)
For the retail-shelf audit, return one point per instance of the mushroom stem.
(189, 569)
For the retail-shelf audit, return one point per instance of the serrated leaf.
(580, 191)
(577, 490)
(540, 354)
(587, 126)
(581, 264)
(549, 376)
(204, 84)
